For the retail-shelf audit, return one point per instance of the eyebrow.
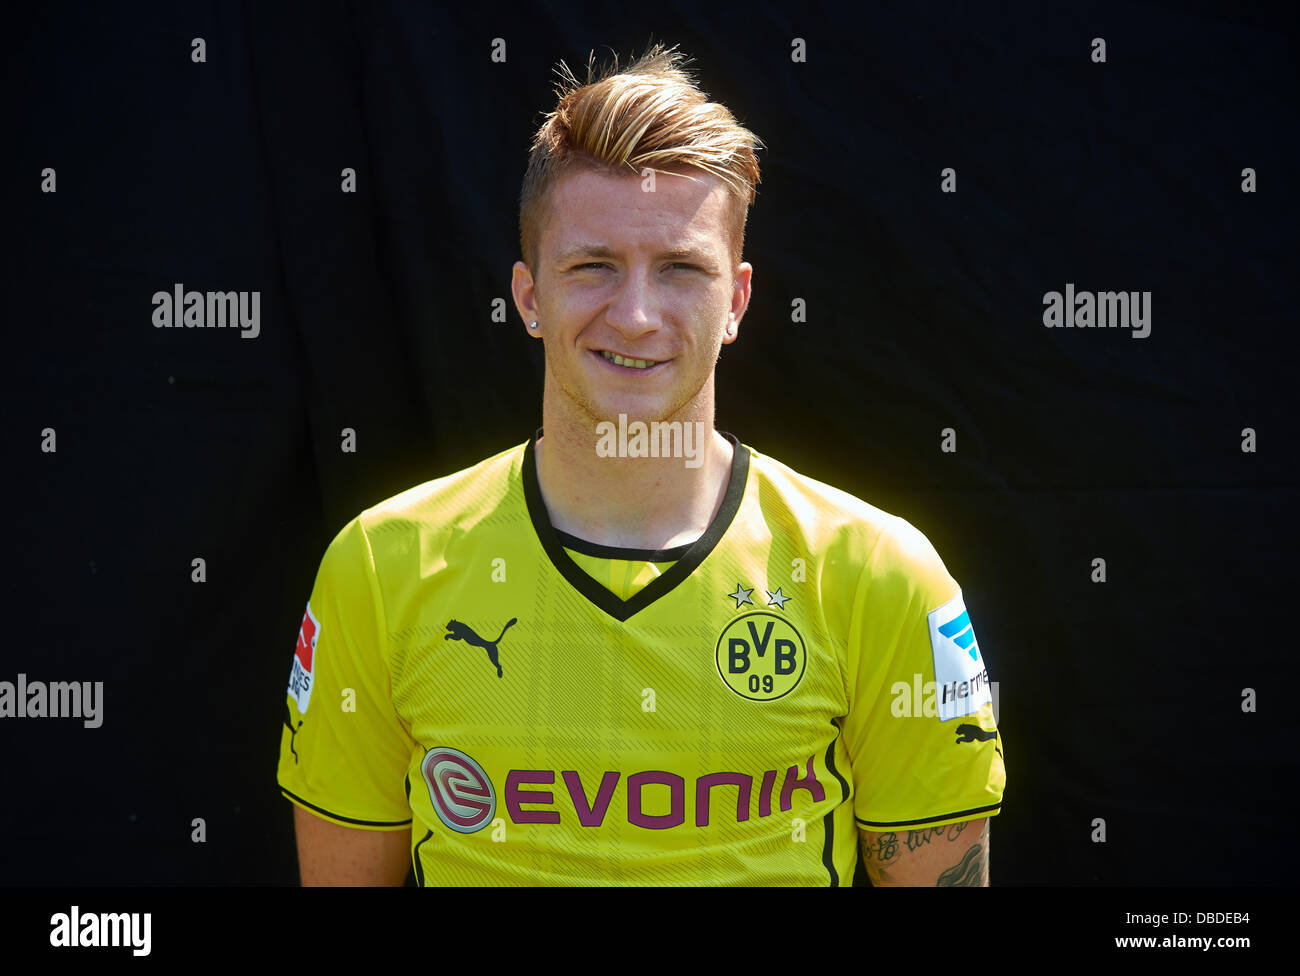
(601, 251)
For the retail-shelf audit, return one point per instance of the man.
(634, 650)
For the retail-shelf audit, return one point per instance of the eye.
(590, 264)
(683, 264)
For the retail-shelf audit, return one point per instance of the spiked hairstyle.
(649, 115)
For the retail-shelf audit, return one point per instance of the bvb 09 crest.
(761, 656)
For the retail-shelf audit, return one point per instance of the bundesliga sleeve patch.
(960, 678)
(304, 657)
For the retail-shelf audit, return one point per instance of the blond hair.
(649, 115)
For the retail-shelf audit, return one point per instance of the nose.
(634, 311)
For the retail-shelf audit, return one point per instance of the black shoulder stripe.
(907, 824)
(419, 865)
(828, 822)
(335, 816)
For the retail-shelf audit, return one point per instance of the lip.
(628, 370)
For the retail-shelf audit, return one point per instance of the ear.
(740, 292)
(524, 290)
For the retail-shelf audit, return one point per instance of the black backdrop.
(1119, 700)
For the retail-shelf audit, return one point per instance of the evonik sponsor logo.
(465, 799)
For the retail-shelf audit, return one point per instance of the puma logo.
(462, 632)
(969, 733)
(288, 724)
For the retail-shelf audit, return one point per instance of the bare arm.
(329, 854)
(954, 856)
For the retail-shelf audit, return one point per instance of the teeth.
(634, 363)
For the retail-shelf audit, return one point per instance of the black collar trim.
(575, 544)
(688, 557)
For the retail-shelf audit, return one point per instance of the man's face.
(645, 276)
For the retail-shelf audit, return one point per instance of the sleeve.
(921, 734)
(344, 751)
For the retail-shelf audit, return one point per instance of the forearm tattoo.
(884, 852)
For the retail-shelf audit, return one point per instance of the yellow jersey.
(540, 710)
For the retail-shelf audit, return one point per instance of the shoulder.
(831, 520)
(438, 509)
(480, 486)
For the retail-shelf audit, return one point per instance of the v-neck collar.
(694, 555)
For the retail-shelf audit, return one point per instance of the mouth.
(629, 364)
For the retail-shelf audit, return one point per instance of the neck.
(629, 502)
